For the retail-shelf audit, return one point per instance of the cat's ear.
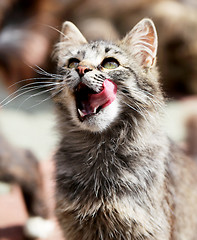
(71, 35)
(142, 41)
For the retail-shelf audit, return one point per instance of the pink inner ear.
(151, 43)
(143, 42)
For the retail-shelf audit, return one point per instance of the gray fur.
(114, 175)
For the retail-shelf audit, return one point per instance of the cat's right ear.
(71, 35)
(142, 42)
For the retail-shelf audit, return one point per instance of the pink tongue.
(104, 98)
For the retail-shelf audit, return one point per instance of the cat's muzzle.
(89, 103)
(83, 104)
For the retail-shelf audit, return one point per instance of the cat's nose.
(82, 69)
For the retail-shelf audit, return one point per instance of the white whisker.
(29, 79)
(44, 84)
(132, 108)
(140, 111)
(48, 98)
(45, 73)
(28, 89)
(57, 30)
(36, 94)
(48, 74)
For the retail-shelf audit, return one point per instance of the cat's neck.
(103, 159)
(123, 138)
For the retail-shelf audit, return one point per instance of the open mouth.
(89, 103)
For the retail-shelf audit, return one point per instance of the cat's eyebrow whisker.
(57, 30)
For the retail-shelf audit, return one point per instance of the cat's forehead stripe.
(100, 48)
(95, 52)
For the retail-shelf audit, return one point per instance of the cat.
(118, 176)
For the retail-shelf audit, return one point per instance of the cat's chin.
(100, 121)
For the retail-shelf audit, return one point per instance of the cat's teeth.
(81, 113)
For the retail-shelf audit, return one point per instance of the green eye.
(110, 63)
(73, 63)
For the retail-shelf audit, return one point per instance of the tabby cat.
(118, 176)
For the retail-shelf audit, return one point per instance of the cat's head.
(103, 81)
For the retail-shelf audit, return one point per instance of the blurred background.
(28, 32)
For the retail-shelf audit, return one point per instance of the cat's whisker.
(26, 88)
(141, 98)
(57, 30)
(148, 113)
(153, 102)
(44, 84)
(37, 94)
(156, 103)
(48, 98)
(30, 79)
(131, 98)
(140, 105)
(6, 101)
(140, 110)
(45, 73)
(12, 94)
(133, 108)
(153, 97)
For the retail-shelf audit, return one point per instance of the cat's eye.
(73, 63)
(110, 63)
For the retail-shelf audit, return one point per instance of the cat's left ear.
(71, 35)
(142, 41)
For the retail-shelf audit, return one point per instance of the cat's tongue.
(105, 97)
(100, 100)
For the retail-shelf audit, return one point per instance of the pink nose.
(81, 69)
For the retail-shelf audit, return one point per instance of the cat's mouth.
(89, 103)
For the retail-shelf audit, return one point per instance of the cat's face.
(102, 80)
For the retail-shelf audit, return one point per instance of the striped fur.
(117, 174)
